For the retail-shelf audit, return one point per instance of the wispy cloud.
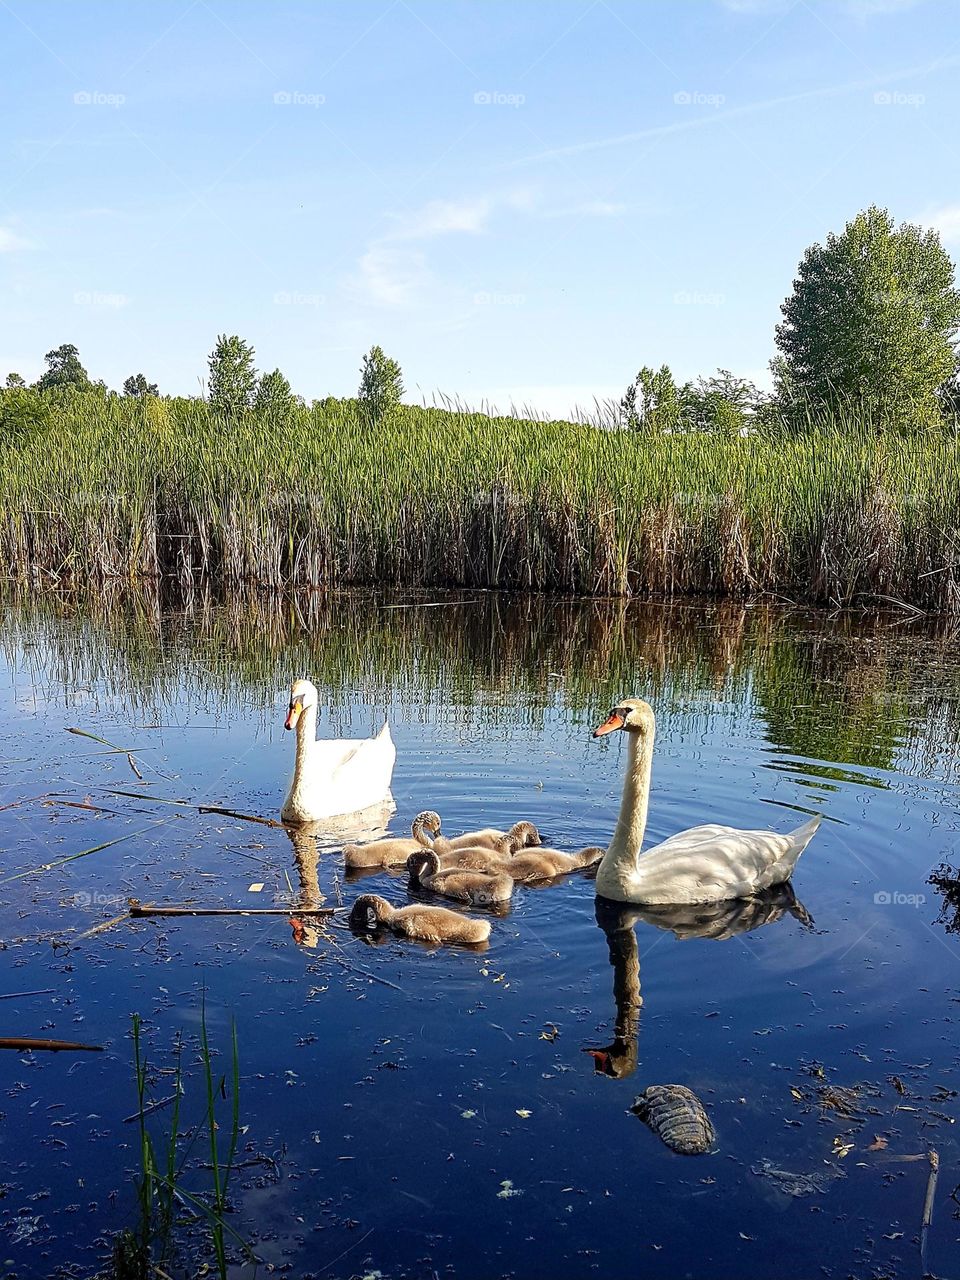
(393, 271)
(946, 221)
(442, 217)
(390, 277)
(588, 209)
(748, 109)
(10, 242)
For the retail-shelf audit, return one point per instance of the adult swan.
(333, 776)
(705, 864)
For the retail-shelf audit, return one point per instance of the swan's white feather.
(708, 864)
(340, 775)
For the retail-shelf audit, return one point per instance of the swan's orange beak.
(293, 715)
(613, 721)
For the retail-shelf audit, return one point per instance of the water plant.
(168, 1199)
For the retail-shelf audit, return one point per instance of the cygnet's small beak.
(293, 715)
(613, 721)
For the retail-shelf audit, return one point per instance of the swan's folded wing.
(371, 759)
(713, 862)
(332, 754)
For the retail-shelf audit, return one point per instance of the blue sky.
(518, 199)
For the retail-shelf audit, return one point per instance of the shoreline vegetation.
(839, 488)
(840, 513)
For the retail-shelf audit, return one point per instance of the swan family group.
(704, 864)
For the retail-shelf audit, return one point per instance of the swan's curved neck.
(627, 840)
(306, 738)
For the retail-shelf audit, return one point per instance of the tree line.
(869, 328)
(233, 385)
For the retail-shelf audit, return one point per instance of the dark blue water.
(409, 1112)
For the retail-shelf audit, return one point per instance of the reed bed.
(841, 513)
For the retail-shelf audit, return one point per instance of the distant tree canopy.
(273, 395)
(233, 379)
(15, 380)
(381, 384)
(64, 369)
(654, 402)
(871, 322)
(137, 385)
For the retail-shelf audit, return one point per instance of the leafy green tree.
(64, 370)
(654, 403)
(137, 385)
(871, 321)
(233, 379)
(15, 380)
(381, 385)
(274, 396)
(724, 402)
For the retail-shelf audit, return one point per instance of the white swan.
(705, 864)
(333, 776)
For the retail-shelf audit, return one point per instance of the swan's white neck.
(306, 740)
(620, 860)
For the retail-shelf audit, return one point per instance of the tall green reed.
(841, 512)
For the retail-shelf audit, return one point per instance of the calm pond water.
(418, 1113)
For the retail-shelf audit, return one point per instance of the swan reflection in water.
(716, 920)
(309, 840)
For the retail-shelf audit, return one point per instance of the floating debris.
(24, 1043)
(677, 1117)
(797, 1184)
(139, 909)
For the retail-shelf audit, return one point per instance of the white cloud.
(390, 277)
(947, 222)
(747, 109)
(10, 242)
(392, 273)
(442, 217)
(589, 209)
